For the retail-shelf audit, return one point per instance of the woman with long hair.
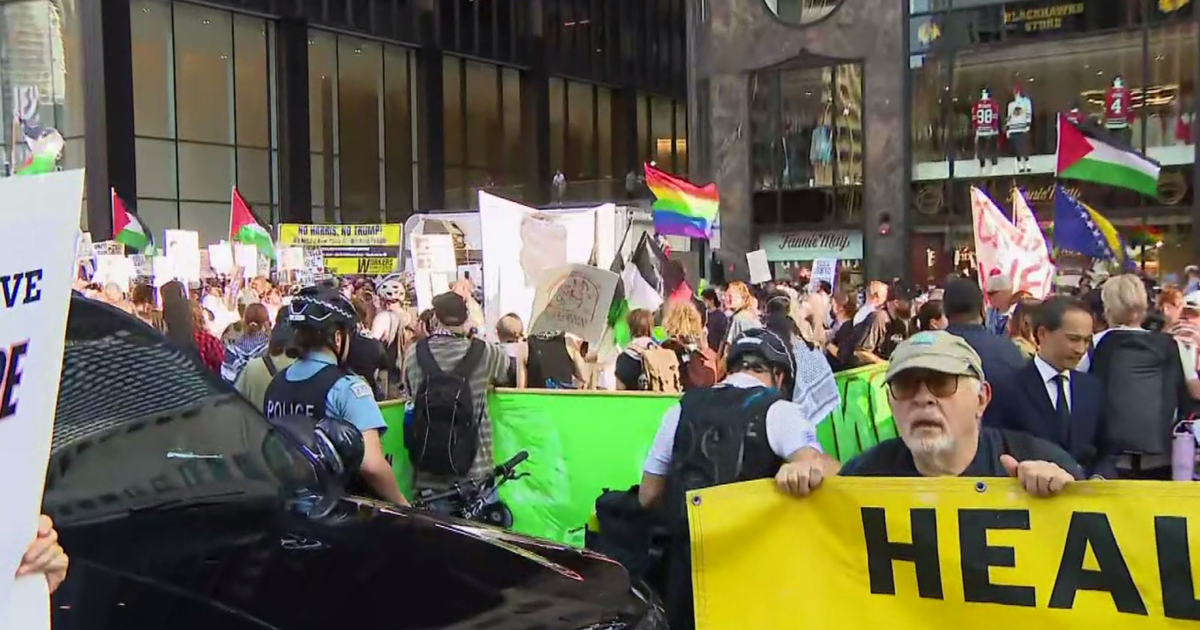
(814, 388)
(177, 314)
(142, 297)
(212, 351)
(255, 334)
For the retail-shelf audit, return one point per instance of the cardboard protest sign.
(36, 276)
(574, 299)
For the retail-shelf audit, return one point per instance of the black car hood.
(360, 564)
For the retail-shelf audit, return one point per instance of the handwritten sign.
(574, 299)
(1001, 249)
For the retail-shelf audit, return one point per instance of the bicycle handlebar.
(509, 466)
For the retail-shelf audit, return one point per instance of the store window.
(362, 171)
(1170, 98)
(41, 78)
(807, 144)
(203, 116)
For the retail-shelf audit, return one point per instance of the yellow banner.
(349, 249)
(929, 554)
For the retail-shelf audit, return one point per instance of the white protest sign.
(183, 248)
(163, 270)
(574, 299)
(108, 247)
(760, 269)
(246, 257)
(142, 265)
(113, 269)
(434, 253)
(824, 269)
(220, 258)
(291, 258)
(33, 319)
(1001, 249)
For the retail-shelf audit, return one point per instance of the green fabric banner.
(582, 442)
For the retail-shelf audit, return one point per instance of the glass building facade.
(1064, 56)
(354, 111)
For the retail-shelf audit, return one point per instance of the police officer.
(319, 385)
(739, 430)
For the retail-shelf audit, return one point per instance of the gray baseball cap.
(937, 351)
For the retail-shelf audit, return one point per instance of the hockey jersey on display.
(1020, 115)
(1118, 108)
(985, 118)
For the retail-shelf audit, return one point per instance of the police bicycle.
(475, 499)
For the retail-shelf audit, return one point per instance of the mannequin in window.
(1118, 110)
(1075, 114)
(1185, 120)
(985, 118)
(821, 152)
(1020, 122)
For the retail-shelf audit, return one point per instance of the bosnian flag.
(244, 228)
(127, 229)
(1084, 154)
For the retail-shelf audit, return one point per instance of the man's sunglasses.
(904, 386)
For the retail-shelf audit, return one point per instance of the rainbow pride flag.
(681, 208)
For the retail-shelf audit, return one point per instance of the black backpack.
(1142, 377)
(444, 433)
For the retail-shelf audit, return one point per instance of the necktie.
(1064, 409)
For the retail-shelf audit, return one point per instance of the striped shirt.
(448, 350)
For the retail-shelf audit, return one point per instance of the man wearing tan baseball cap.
(937, 395)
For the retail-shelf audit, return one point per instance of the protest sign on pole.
(36, 252)
(825, 269)
(1002, 249)
(183, 248)
(945, 554)
(574, 299)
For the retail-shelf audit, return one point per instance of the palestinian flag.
(647, 281)
(127, 229)
(1090, 156)
(244, 228)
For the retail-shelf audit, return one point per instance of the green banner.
(582, 442)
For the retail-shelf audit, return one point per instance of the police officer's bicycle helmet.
(761, 344)
(321, 308)
(391, 288)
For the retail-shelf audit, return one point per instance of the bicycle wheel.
(497, 514)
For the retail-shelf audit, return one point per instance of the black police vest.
(301, 398)
(721, 438)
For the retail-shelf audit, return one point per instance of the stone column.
(743, 37)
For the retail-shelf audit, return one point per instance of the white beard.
(931, 446)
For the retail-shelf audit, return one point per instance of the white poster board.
(434, 253)
(33, 322)
(183, 248)
(521, 243)
(246, 257)
(1002, 249)
(824, 269)
(220, 258)
(574, 299)
(760, 269)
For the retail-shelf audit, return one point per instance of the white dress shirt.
(1049, 373)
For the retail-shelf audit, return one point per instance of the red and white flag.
(1002, 248)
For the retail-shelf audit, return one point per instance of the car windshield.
(139, 424)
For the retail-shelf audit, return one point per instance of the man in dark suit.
(1053, 401)
(962, 302)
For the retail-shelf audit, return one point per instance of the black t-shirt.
(366, 356)
(893, 459)
(628, 370)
